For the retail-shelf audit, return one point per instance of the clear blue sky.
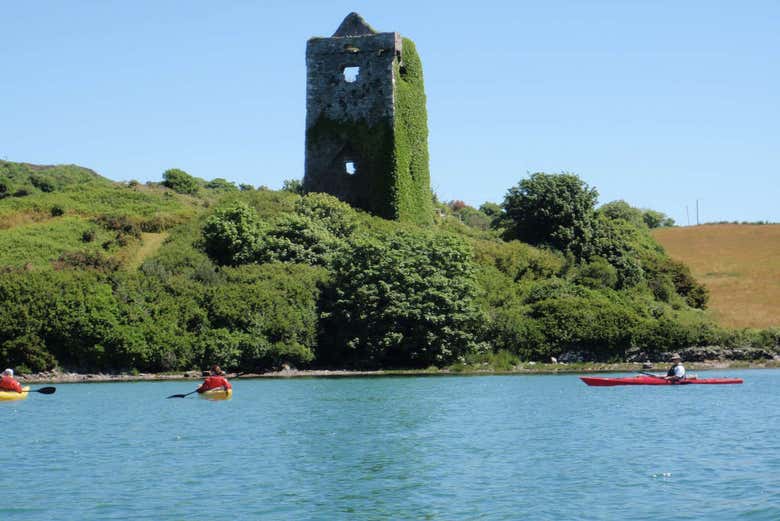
(659, 103)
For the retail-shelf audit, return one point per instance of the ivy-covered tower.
(366, 124)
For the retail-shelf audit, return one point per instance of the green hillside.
(97, 275)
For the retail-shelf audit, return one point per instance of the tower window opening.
(349, 166)
(351, 74)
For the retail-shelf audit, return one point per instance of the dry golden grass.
(739, 263)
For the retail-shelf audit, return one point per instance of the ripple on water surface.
(500, 447)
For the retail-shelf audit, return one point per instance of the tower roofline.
(353, 25)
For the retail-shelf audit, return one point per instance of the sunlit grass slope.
(739, 263)
(50, 211)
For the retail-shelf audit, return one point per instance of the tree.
(655, 219)
(550, 209)
(338, 217)
(296, 238)
(293, 185)
(221, 185)
(180, 181)
(492, 210)
(231, 235)
(401, 300)
(623, 210)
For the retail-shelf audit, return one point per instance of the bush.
(231, 235)
(401, 300)
(273, 309)
(87, 260)
(27, 351)
(180, 181)
(298, 239)
(556, 210)
(337, 217)
(593, 326)
(294, 186)
(42, 183)
(221, 185)
(88, 236)
(57, 211)
(598, 273)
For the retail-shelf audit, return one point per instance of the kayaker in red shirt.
(9, 383)
(216, 380)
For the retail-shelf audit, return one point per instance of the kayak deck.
(9, 396)
(598, 381)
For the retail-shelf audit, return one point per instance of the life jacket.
(214, 382)
(7, 383)
(670, 372)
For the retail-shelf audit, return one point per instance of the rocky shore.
(525, 368)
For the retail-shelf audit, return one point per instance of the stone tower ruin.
(366, 123)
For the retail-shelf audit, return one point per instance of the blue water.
(445, 448)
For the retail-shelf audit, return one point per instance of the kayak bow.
(598, 381)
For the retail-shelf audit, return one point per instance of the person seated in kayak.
(677, 371)
(215, 380)
(9, 383)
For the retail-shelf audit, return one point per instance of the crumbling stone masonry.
(366, 124)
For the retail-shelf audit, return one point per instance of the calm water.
(496, 447)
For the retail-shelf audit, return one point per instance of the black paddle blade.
(45, 390)
(177, 396)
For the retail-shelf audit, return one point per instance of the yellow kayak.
(7, 396)
(217, 394)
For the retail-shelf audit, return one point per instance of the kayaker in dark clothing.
(215, 380)
(677, 371)
(9, 383)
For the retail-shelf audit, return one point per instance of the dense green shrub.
(598, 273)
(231, 234)
(298, 239)
(274, 307)
(556, 210)
(622, 210)
(221, 185)
(294, 186)
(594, 326)
(662, 271)
(180, 181)
(337, 217)
(401, 300)
(654, 219)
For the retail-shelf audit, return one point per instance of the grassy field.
(739, 263)
(38, 244)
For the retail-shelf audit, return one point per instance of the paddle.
(182, 395)
(44, 390)
(653, 375)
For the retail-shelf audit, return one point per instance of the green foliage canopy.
(180, 181)
(401, 300)
(556, 210)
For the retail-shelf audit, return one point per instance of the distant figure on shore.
(677, 371)
(9, 383)
(215, 380)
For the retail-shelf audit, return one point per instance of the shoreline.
(528, 368)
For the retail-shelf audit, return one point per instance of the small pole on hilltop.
(687, 215)
(697, 212)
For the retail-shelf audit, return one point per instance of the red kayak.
(597, 381)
